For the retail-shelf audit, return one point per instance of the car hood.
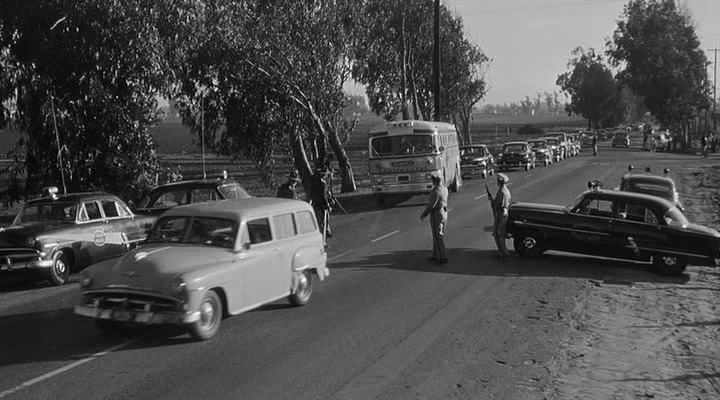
(15, 235)
(153, 266)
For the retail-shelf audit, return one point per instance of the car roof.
(515, 142)
(238, 209)
(648, 179)
(634, 196)
(468, 146)
(197, 183)
(74, 197)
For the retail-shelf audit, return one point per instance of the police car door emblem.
(99, 238)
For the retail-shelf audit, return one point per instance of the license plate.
(122, 315)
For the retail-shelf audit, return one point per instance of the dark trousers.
(438, 222)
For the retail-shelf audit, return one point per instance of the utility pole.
(436, 61)
(714, 89)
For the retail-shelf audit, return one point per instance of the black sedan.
(615, 224)
(174, 194)
(516, 155)
(476, 159)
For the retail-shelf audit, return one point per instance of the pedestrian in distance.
(501, 205)
(288, 190)
(320, 200)
(437, 210)
(594, 144)
(704, 146)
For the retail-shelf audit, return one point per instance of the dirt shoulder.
(651, 339)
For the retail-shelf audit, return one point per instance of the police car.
(57, 234)
(654, 185)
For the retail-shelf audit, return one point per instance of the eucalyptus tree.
(393, 60)
(659, 54)
(80, 81)
(267, 77)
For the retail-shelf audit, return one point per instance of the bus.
(403, 155)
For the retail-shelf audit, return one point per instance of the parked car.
(174, 194)
(57, 234)
(516, 155)
(575, 144)
(617, 224)
(476, 159)
(660, 186)
(621, 139)
(543, 153)
(204, 261)
(554, 144)
(563, 142)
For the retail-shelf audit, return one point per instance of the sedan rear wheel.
(211, 311)
(528, 243)
(669, 265)
(303, 290)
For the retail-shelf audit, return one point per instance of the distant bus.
(403, 155)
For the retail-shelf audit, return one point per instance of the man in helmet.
(437, 210)
(320, 199)
(501, 205)
(288, 189)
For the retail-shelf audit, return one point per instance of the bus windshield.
(402, 145)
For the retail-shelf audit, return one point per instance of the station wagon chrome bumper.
(140, 317)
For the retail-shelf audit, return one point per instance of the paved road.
(387, 324)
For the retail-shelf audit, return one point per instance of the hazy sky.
(529, 41)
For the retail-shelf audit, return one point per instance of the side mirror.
(442, 148)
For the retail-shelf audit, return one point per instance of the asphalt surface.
(386, 324)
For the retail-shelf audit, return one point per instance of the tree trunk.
(300, 159)
(347, 184)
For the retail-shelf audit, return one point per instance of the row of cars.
(209, 250)
(478, 160)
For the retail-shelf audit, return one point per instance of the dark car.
(660, 186)
(621, 139)
(188, 192)
(58, 234)
(609, 223)
(543, 153)
(516, 155)
(476, 159)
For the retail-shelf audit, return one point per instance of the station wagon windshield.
(402, 145)
(47, 212)
(216, 232)
(514, 148)
(233, 191)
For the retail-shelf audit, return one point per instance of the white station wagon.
(205, 261)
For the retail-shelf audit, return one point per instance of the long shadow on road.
(467, 261)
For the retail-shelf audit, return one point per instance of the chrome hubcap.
(670, 261)
(207, 314)
(60, 268)
(529, 242)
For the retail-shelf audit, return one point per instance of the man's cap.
(502, 178)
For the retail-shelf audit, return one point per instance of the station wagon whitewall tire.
(211, 312)
(303, 289)
(60, 269)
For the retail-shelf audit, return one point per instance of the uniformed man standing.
(594, 143)
(288, 190)
(437, 209)
(501, 204)
(320, 199)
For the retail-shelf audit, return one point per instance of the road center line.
(384, 236)
(343, 254)
(63, 369)
(528, 175)
(481, 196)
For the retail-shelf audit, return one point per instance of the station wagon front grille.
(132, 302)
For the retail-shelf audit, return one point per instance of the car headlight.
(30, 241)
(178, 286)
(85, 280)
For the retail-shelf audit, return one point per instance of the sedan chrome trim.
(561, 228)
